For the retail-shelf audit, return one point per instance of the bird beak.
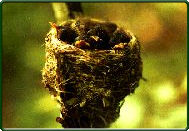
(53, 25)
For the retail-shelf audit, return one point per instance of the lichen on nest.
(91, 66)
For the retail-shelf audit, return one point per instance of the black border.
(91, 1)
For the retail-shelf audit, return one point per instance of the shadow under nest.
(91, 66)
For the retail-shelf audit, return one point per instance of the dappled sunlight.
(158, 102)
(130, 114)
(164, 92)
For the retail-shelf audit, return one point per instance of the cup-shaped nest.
(91, 66)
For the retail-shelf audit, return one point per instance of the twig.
(60, 12)
(65, 11)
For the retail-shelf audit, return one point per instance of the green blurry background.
(160, 102)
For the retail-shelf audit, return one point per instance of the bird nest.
(91, 66)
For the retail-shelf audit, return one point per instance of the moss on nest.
(91, 66)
